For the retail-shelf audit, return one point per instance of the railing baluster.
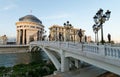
(118, 53)
(102, 50)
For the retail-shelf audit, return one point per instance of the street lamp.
(95, 30)
(42, 36)
(100, 18)
(68, 27)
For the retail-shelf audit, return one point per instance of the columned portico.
(18, 35)
(23, 38)
(28, 29)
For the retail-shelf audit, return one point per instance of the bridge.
(106, 57)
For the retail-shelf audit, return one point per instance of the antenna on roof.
(31, 11)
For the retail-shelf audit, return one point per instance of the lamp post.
(95, 30)
(100, 18)
(68, 27)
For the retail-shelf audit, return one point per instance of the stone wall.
(14, 50)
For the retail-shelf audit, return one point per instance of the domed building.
(29, 28)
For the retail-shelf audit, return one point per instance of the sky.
(79, 13)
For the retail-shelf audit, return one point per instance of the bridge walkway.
(91, 71)
(102, 56)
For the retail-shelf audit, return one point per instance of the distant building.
(89, 39)
(66, 35)
(29, 28)
(3, 40)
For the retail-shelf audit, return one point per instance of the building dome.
(30, 18)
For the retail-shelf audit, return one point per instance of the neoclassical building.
(29, 28)
(67, 33)
(3, 40)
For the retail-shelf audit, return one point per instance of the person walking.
(60, 36)
(85, 38)
(80, 34)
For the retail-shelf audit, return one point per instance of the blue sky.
(79, 12)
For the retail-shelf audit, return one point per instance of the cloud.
(56, 16)
(9, 7)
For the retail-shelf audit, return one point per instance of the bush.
(33, 69)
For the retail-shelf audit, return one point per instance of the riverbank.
(25, 65)
(33, 69)
(14, 50)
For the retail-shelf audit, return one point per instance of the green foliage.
(37, 68)
(33, 69)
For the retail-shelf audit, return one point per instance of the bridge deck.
(103, 56)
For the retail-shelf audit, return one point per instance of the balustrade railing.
(91, 48)
(113, 52)
(102, 50)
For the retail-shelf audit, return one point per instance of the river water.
(11, 59)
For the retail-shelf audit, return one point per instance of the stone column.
(23, 37)
(18, 36)
(27, 37)
(64, 35)
(76, 63)
(64, 62)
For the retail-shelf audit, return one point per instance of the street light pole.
(68, 27)
(102, 39)
(96, 28)
(100, 18)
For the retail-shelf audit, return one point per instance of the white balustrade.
(112, 52)
(101, 50)
(106, 56)
(91, 48)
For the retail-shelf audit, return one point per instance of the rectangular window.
(32, 26)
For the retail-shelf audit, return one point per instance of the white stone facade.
(68, 33)
(3, 40)
(29, 28)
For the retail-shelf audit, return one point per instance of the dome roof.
(30, 18)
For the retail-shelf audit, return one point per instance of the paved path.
(83, 72)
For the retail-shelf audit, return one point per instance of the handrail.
(102, 50)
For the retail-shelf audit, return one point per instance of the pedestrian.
(49, 37)
(80, 34)
(85, 38)
(109, 38)
(60, 36)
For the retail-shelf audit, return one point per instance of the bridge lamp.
(68, 27)
(99, 19)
